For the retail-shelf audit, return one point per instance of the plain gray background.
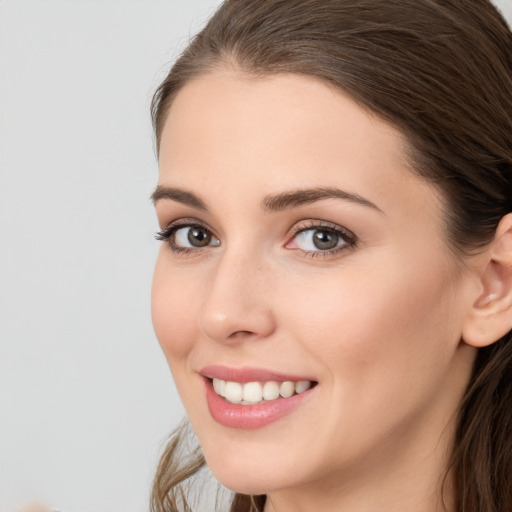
(86, 399)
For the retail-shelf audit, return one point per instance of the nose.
(238, 305)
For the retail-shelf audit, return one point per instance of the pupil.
(325, 240)
(198, 237)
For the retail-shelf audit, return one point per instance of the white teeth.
(233, 392)
(255, 392)
(287, 389)
(219, 386)
(270, 390)
(252, 392)
(302, 385)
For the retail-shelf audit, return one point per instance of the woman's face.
(300, 247)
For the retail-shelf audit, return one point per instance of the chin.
(247, 481)
(254, 469)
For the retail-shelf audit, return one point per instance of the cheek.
(384, 342)
(377, 325)
(173, 311)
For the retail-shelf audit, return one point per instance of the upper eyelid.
(187, 222)
(168, 231)
(297, 228)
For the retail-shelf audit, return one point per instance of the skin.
(378, 324)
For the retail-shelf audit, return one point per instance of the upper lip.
(248, 374)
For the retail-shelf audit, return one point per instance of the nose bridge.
(238, 302)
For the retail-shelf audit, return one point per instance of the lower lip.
(250, 416)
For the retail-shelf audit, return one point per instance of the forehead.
(226, 129)
(281, 107)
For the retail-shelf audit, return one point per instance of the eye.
(321, 239)
(192, 236)
(187, 237)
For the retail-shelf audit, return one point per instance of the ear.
(490, 317)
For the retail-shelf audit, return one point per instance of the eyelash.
(349, 239)
(167, 234)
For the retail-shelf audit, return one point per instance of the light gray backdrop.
(86, 399)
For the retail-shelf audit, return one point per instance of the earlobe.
(491, 314)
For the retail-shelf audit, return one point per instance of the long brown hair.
(441, 72)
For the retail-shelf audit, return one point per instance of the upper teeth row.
(254, 392)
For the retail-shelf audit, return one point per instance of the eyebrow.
(271, 203)
(178, 195)
(293, 199)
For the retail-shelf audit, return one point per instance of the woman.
(334, 290)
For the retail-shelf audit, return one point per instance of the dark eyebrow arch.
(293, 199)
(271, 203)
(178, 195)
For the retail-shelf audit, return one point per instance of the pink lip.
(246, 374)
(249, 416)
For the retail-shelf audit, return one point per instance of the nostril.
(241, 334)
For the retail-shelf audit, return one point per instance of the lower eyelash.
(327, 253)
(349, 238)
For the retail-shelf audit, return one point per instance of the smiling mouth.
(252, 393)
